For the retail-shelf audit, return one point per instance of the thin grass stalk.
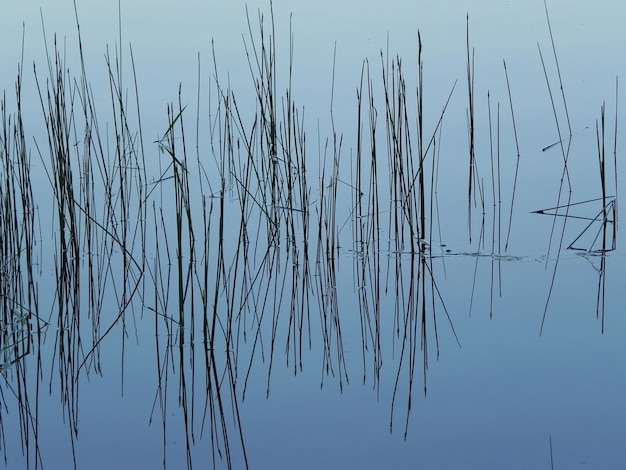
(615, 211)
(374, 231)
(358, 226)
(305, 220)
(219, 275)
(367, 237)
(558, 69)
(15, 277)
(564, 149)
(395, 169)
(472, 176)
(188, 403)
(518, 156)
(493, 196)
(264, 75)
(57, 107)
(600, 134)
(421, 229)
(565, 154)
(27, 305)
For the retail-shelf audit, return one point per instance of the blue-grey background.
(493, 403)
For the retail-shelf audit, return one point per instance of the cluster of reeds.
(97, 232)
(226, 255)
(255, 291)
(20, 255)
(605, 222)
(23, 323)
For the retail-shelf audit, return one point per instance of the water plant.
(245, 250)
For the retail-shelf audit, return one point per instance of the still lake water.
(324, 319)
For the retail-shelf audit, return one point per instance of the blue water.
(523, 359)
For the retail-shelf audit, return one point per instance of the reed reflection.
(232, 249)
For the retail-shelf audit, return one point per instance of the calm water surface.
(291, 320)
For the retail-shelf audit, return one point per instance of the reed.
(496, 216)
(473, 177)
(607, 214)
(21, 327)
(237, 255)
(517, 161)
(366, 223)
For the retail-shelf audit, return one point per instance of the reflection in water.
(234, 258)
(605, 238)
